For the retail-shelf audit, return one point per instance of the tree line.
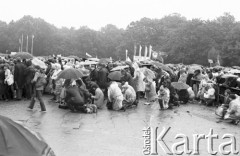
(184, 41)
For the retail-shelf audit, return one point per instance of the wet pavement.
(110, 133)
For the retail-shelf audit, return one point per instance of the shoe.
(29, 108)
(44, 111)
(147, 103)
(123, 108)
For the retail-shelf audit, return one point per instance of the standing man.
(19, 77)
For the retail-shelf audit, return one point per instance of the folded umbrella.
(115, 75)
(179, 85)
(70, 73)
(16, 140)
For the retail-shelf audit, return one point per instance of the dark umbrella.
(70, 73)
(15, 140)
(162, 66)
(115, 76)
(179, 85)
(23, 55)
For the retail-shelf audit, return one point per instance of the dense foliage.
(185, 41)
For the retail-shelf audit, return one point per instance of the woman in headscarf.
(183, 76)
(115, 96)
(129, 95)
(98, 97)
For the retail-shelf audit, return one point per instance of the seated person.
(174, 98)
(163, 97)
(233, 111)
(74, 100)
(129, 95)
(115, 96)
(191, 94)
(98, 97)
(183, 96)
(209, 94)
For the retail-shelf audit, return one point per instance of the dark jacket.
(29, 74)
(19, 75)
(102, 78)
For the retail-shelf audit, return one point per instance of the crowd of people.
(21, 80)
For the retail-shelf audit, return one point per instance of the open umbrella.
(39, 63)
(70, 73)
(23, 55)
(15, 140)
(179, 85)
(148, 73)
(162, 66)
(218, 67)
(119, 68)
(115, 75)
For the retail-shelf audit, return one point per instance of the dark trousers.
(19, 93)
(38, 95)
(29, 90)
(10, 92)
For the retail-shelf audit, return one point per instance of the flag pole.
(32, 45)
(27, 44)
(22, 43)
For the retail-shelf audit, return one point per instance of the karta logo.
(152, 141)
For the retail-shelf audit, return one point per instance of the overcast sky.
(97, 13)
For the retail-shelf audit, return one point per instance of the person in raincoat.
(150, 90)
(58, 82)
(129, 95)
(139, 84)
(115, 96)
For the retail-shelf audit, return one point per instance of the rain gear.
(115, 96)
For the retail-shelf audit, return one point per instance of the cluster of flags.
(21, 41)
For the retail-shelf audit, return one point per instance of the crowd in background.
(21, 80)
